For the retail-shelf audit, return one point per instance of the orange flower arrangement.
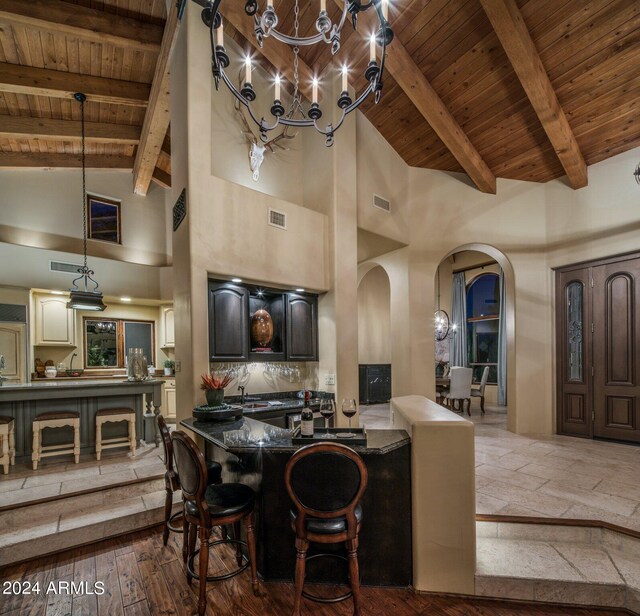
(210, 382)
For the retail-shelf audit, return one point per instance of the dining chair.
(459, 389)
(478, 392)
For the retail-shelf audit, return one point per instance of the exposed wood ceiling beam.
(507, 21)
(22, 160)
(84, 23)
(161, 178)
(19, 79)
(409, 77)
(278, 54)
(20, 127)
(157, 118)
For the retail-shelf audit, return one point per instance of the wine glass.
(349, 409)
(327, 410)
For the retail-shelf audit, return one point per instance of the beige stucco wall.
(374, 318)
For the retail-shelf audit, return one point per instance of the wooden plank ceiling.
(575, 102)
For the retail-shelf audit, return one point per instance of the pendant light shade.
(82, 296)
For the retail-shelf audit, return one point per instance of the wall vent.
(13, 313)
(64, 268)
(381, 203)
(277, 219)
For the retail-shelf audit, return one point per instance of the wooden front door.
(598, 341)
(616, 343)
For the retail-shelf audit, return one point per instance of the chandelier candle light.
(265, 25)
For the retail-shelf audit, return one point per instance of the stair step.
(30, 537)
(572, 565)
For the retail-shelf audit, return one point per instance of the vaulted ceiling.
(523, 89)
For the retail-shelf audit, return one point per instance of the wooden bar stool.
(111, 416)
(325, 482)
(209, 506)
(172, 481)
(7, 443)
(55, 419)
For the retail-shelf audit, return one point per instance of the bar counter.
(24, 401)
(256, 454)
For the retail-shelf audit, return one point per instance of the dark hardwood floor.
(143, 578)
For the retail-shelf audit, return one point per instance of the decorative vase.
(168, 371)
(137, 369)
(215, 397)
(261, 328)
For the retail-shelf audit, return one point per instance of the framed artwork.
(103, 219)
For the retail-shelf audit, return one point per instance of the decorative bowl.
(224, 412)
(74, 372)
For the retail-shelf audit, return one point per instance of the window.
(103, 219)
(107, 341)
(483, 325)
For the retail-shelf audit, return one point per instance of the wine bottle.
(306, 428)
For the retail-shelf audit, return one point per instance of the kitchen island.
(23, 402)
(256, 453)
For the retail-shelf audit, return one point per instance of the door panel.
(616, 390)
(573, 324)
(228, 322)
(12, 347)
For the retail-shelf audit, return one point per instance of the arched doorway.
(481, 264)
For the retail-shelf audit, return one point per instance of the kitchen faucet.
(241, 389)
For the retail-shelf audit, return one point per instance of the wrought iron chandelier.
(84, 298)
(636, 173)
(266, 25)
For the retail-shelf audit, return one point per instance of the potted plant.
(214, 388)
(169, 366)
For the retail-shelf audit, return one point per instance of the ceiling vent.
(277, 219)
(64, 268)
(381, 203)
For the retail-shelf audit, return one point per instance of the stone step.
(29, 536)
(559, 564)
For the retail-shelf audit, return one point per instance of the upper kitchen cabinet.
(55, 323)
(228, 322)
(302, 327)
(167, 327)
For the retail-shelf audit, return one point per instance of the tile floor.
(547, 476)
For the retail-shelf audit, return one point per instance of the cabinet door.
(302, 327)
(228, 322)
(168, 328)
(12, 348)
(170, 399)
(54, 322)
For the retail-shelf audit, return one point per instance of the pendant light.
(82, 297)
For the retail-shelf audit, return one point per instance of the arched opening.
(374, 335)
(475, 287)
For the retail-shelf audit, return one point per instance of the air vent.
(13, 313)
(381, 203)
(277, 219)
(64, 268)
(180, 209)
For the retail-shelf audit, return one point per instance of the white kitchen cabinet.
(167, 327)
(169, 399)
(55, 323)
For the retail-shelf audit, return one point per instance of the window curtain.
(459, 320)
(502, 346)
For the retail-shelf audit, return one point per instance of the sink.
(255, 405)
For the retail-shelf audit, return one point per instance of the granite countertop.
(247, 435)
(70, 384)
(270, 403)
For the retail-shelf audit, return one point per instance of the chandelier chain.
(84, 186)
(296, 52)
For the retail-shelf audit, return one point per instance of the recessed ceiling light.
(125, 299)
(300, 290)
(57, 292)
(236, 280)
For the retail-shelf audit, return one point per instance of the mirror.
(101, 337)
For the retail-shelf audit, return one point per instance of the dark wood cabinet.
(302, 327)
(598, 340)
(375, 383)
(228, 322)
(294, 317)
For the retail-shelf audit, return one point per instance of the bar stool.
(172, 481)
(104, 416)
(7, 443)
(209, 506)
(55, 419)
(325, 482)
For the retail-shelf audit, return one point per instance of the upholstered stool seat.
(225, 499)
(55, 419)
(104, 416)
(7, 443)
(326, 526)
